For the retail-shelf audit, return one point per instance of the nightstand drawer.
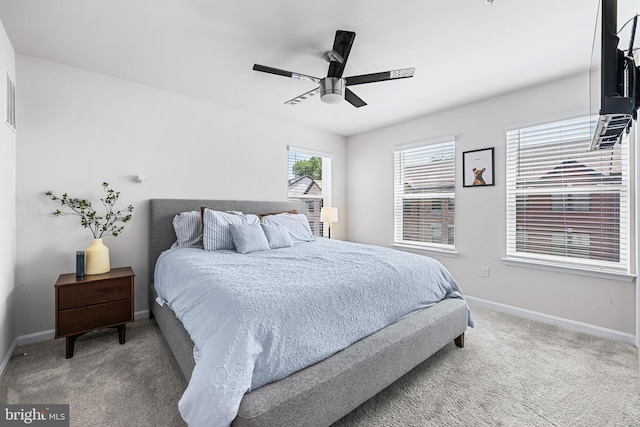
(78, 320)
(83, 294)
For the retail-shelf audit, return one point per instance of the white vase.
(96, 258)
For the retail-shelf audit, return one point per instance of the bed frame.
(320, 394)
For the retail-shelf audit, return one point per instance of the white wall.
(480, 212)
(79, 129)
(7, 205)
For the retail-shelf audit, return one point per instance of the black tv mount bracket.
(611, 127)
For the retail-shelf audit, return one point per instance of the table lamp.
(329, 215)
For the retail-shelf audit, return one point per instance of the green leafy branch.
(109, 224)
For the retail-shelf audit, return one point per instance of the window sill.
(422, 249)
(540, 265)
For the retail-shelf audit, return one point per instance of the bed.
(328, 389)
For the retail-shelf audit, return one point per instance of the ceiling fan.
(333, 88)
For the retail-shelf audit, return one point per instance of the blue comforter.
(259, 317)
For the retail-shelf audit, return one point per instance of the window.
(570, 244)
(570, 202)
(436, 233)
(311, 206)
(309, 180)
(451, 234)
(424, 188)
(567, 205)
(11, 103)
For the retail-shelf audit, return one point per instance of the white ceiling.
(463, 50)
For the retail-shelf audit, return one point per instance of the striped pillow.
(188, 229)
(216, 232)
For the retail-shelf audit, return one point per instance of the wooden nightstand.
(84, 304)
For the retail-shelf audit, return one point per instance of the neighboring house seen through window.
(424, 188)
(309, 180)
(567, 205)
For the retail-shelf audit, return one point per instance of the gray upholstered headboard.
(162, 211)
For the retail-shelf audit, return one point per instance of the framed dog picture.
(477, 168)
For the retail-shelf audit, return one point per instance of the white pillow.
(248, 238)
(188, 228)
(216, 234)
(297, 224)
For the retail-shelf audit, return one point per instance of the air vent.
(11, 103)
(609, 130)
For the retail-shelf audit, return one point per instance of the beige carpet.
(104, 383)
(512, 372)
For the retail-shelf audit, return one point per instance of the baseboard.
(36, 337)
(50, 334)
(554, 320)
(5, 361)
(141, 315)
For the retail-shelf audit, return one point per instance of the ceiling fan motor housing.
(332, 89)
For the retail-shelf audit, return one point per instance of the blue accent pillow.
(277, 236)
(248, 238)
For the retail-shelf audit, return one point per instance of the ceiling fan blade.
(284, 73)
(380, 77)
(298, 99)
(342, 47)
(353, 99)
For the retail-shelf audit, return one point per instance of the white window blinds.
(309, 181)
(424, 188)
(566, 205)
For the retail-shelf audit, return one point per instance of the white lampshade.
(329, 214)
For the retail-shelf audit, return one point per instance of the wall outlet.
(484, 271)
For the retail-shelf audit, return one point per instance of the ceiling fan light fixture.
(332, 90)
